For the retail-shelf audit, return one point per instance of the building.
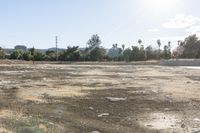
(21, 47)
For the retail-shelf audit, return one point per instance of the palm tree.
(159, 44)
(123, 47)
(140, 41)
(179, 42)
(115, 45)
(169, 44)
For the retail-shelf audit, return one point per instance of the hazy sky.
(37, 22)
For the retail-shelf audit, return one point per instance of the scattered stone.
(196, 119)
(43, 127)
(15, 87)
(115, 99)
(169, 99)
(182, 125)
(154, 91)
(95, 132)
(149, 126)
(51, 123)
(91, 108)
(166, 109)
(195, 130)
(139, 92)
(103, 114)
(188, 82)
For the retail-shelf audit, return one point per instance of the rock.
(115, 99)
(91, 108)
(51, 123)
(149, 125)
(139, 92)
(169, 99)
(43, 127)
(182, 125)
(188, 82)
(196, 119)
(95, 132)
(103, 114)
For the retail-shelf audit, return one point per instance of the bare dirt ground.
(98, 98)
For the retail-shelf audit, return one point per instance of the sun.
(159, 5)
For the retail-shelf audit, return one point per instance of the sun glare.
(159, 5)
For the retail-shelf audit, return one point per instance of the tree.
(2, 53)
(70, 54)
(27, 56)
(17, 54)
(94, 42)
(38, 56)
(150, 53)
(127, 54)
(32, 50)
(135, 56)
(167, 52)
(114, 52)
(50, 55)
(97, 54)
(159, 44)
(140, 41)
(142, 53)
(94, 51)
(123, 47)
(191, 47)
(169, 44)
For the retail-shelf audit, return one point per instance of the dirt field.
(96, 98)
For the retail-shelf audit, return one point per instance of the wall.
(180, 62)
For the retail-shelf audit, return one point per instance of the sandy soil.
(99, 98)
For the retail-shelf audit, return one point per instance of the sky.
(37, 22)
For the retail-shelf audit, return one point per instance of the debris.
(115, 99)
(103, 114)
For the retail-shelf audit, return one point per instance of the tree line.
(189, 48)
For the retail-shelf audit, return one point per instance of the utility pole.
(33, 52)
(56, 48)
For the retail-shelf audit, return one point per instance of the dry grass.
(59, 98)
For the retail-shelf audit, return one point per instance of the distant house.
(21, 47)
